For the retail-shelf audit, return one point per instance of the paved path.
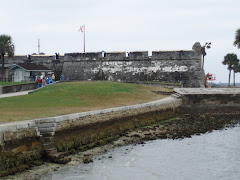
(15, 94)
(184, 91)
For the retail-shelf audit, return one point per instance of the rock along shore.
(180, 127)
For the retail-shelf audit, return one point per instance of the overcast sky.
(124, 25)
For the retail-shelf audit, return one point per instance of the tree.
(237, 39)
(203, 51)
(6, 48)
(231, 60)
(236, 69)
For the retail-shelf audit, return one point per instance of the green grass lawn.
(11, 83)
(73, 97)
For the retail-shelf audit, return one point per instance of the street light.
(203, 50)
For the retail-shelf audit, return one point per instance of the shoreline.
(175, 128)
(32, 143)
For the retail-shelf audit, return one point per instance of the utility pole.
(38, 46)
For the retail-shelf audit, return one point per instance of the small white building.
(26, 72)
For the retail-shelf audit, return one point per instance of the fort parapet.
(174, 55)
(114, 55)
(82, 56)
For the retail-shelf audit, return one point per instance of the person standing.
(53, 78)
(62, 77)
(44, 81)
(34, 77)
(39, 81)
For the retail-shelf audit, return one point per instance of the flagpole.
(84, 38)
(83, 30)
(38, 46)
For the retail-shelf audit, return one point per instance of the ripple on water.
(214, 155)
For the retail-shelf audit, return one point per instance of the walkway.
(15, 94)
(198, 91)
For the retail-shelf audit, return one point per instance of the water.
(210, 156)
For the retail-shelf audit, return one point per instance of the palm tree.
(237, 39)
(236, 69)
(231, 60)
(6, 48)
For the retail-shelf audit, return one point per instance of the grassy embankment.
(66, 98)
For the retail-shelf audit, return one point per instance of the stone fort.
(183, 66)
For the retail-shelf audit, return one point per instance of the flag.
(81, 28)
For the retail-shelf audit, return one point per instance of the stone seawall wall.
(218, 103)
(17, 88)
(22, 142)
(19, 145)
(209, 100)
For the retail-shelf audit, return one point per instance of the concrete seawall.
(212, 100)
(26, 142)
(17, 88)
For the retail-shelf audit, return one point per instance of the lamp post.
(203, 50)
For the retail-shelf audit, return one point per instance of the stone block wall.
(50, 61)
(38, 59)
(114, 55)
(169, 66)
(174, 55)
(211, 103)
(92, 56)
(17, 88)
(209, 100)
(21, 142)
(19, 146)
(82, 70)
(138, 55)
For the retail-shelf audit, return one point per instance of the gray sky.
(124, 25)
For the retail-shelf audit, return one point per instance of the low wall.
(17, 88)
(215, 100)
(211, 103)
(22, 142)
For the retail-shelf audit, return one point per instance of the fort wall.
(170, 66)
(50, 61)
(182, 66)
